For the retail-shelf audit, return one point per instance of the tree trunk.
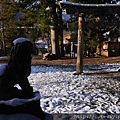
(54, 30)
(60, 24)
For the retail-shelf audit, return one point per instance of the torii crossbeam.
(72, 8)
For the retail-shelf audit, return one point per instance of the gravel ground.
(96, 90)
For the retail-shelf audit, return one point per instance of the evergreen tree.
(34, 18)
(8, 11)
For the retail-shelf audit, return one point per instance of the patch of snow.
(94, 91)
(65, 17)
(20, 40)
(2, 69)
(17, 101)
(18, 117)
(4, 57)
(18, 15)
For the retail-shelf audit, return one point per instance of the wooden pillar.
(54, 37)
(79, 64)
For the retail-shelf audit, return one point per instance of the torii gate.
(81, 9)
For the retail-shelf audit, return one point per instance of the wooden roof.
(76, 8)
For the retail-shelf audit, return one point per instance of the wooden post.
(79, 64)
(54, 40)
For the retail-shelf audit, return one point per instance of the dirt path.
(67, 60)
(37, 60)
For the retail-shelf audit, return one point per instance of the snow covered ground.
(96, 90)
